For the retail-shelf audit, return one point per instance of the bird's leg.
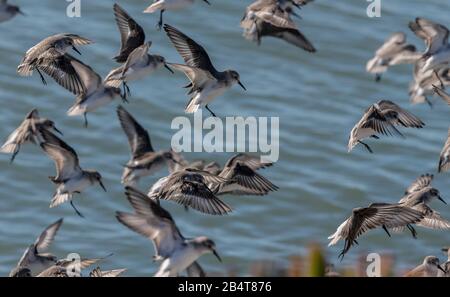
(428, 102)
(14, 154)
(42, 77)
(387, 231)
(377, 77)
(76, 210)
(366, 145)
(212, 113)
(85, 120)
(160, 23)
(186, 208)
(439, 78)
(127, 91)
(413, 231)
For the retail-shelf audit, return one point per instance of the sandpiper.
(70, 177)
(154, 222)
(8, 11)
(375, 215)
(381, 117)
(163, 5)
(394, 51)
(419, 200)
(33, 258)
(429, 268)
(28, 131)
(273, 18)
(424, 82)
(242, 178)
(132, 35)
(138, 65)
(144, 160)
(446, 265)
(206, 82)
(444, 158)
(49, 56)
(97, 272)
(435, 36)
(191, 187)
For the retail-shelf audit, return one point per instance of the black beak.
(207, 2)
(441, 269)
(175, 161)
(440, 198)
(76, 50)
(296, 15)
(217, 255)
(57, 131)
(242, 86)
(168, 68)
(20, 12)
(102, 185)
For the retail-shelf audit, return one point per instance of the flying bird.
(28, 131)
(70, 177)
(206, 82)
(8, 11)
(50, 57)
(382, 118)
(176, 252)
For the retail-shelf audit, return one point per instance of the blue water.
(318, 97)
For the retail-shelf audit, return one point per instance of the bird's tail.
(192, 106)
(60, 198)
(9, 148)
(154, 7)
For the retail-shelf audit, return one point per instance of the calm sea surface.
(318, 98)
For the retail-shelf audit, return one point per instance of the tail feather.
(9, 148)
(60, 199)
(192, 107)
(25, 70)
(154, 7)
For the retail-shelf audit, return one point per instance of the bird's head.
(95, 176)
(234, 77)
(206, 245)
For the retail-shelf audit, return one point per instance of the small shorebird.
(133, 53)
(444, 158)
(429, 268)
(381, 117)
(138, 65)
(419, 200)
(97, 272)
(273, 18)
(423, 83)
(163, 5)
(144, 160)
(394, 51)
(154, 222)
(49, 56)
(446, 265)
(28, 131)
(376, 215)
(68, 267)
(8, 11)
(70, 178)
(206, 82)
(191, 188)
(435, 37)
(96, 93)
(132, 35)
(33, 258)
(242, 178)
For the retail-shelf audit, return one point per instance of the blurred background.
(318, 97)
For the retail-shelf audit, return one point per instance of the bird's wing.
(65, 157)
(392, 45)
(136, 55)
(90, 79)
(276, 16)
(419, 183)
(138, 137)
(432, 219)
(46, 238)
(193, 54)
(397, 115)
(131, 33)
(434, 35)
(63, 72)
(151, 221)
(197, 76)
(253, 162)
(442, 93)
(444, 158)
